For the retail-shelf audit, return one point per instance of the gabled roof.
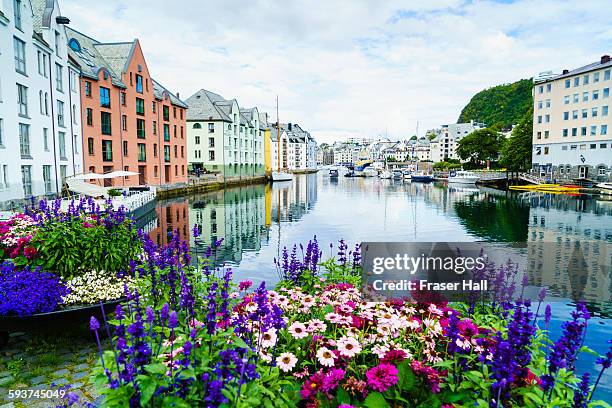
(117, 55)
(206, 105)
(159, 91)
(42, 11)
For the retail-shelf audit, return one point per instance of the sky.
(351, 68)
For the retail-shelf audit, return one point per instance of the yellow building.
(263, 120)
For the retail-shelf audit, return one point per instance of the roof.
(42, 11)
(93, 56)
(587, 68)
(207, 105)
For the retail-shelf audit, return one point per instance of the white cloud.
(348, 67)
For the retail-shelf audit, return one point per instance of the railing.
(493, 175)
(531, 178)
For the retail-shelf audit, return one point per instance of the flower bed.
(187, 336)
(75, 257)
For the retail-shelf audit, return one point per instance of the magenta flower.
(245, 285)
(381, 377)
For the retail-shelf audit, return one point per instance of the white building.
(572, 125)
(298, 148)
(444, 145)
(222, 137)
(40, 131)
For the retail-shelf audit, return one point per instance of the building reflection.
(169, 216)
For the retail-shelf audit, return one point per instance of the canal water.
(257, 221)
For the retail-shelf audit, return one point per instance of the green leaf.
(147, 388)
(342, 397)
(375, 400)
(406, 376)
(157, 368)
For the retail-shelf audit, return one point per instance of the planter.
(56, 320)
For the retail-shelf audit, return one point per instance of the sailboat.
(279, 175)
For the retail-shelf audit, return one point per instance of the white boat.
(422, 176)
(463, 177)
(385, 174)
(397, 175)
(407, 174)
(281, 176)
(605, 186)
(370, 172)
(333, 172)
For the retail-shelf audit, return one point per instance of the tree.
(516, 153)
(413, 137)
(480, 146)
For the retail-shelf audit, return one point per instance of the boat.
(549, 188)
(422, 176)
(463, 177)
(281, 176)
(397, 175)
(349, 173)
(333, 173)
(385, 174)
(370, 172)
(407, 174)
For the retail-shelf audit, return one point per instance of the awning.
(96, 176)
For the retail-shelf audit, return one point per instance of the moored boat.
(463, 177)
(422, 177)
(397, 174)
(333, 173)
(370, 172)
(385, 174)
(281, 176)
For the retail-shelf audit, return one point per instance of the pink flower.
(332, 380)
(345, 406)
(431, 375)
(245, 285)
(381, 377)
(30, 252)
(87, 225)
(312, 385)
(467, 328)
(394, 356)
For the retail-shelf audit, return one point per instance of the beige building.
(571, 123)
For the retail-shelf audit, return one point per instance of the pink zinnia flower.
(332, 380)
(312, 385)
(394, 356)
(381, 377)
(30, 252)
(245, 285)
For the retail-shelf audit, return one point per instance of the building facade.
(222, 138)
(571, 123)
(40, 135)
(130, 121)
(298, 148)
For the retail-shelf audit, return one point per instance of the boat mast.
(278, 155)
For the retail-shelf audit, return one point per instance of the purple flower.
(93, 323)
(173, 320)
(582, 393)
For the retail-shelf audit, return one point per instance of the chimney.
(289, 126)
(565, 71)
(605, 59)
(178, 96)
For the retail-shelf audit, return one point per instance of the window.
(573, 147)
(123, 102)
(123, 122)
(596, 77)
(1, 132)
(182, 133)
(546, 150)
(548, 87)
(76, 144)
(593, 130)
(546, 134)
(126, 168)
(142, 152)
(167, 154)
(566, 99)
(90, 146)
(181, 111)
(22, 100)
(89, 116)
(585, 113)
(17, 14)
(540, 119)
(574, 131)
(74, 114)
(166, 113)
(154, 107)
(197, 140)
(606, 93)
(182, 151)
(561, 168)
(62, 145)
(175, 152)
(154, 149)
(20, 55)
(565, 132)
(607, 75)
(585, 97)
(539, 104)
(125, 148)
(59, 78)
(211, 155)
(541, 89)
(197, 126)
(583, 131)
(586, 79)
(60, 113)
(174, 112)
(140, 128)
(593, 145)
(63, 169)
(58, 42)
(603, 130)
(105, 120)
(595, 95)
(140, 106)
(174, 131)
(601, 170)
(88, 89)
(603, 145)
(594, 112)
(547, 118)
(577, 81)
(72, 79)
(166, 132)
(575, 114)
(138, 83)
(105, 97)
(107, 150)
(24, 141)
(154, 127)
(41, 69)
(41, 98)
(565, 115)
(26, 180)
(211, 142)
(604, 110)
(4, 177)
(567, 83)
(576, 98)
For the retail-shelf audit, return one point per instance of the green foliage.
(500, 106)
(113, 192)
(516, 152)
(70, 248)
(480, 146)
(448, 164)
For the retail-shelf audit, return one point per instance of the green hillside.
(502, 105)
